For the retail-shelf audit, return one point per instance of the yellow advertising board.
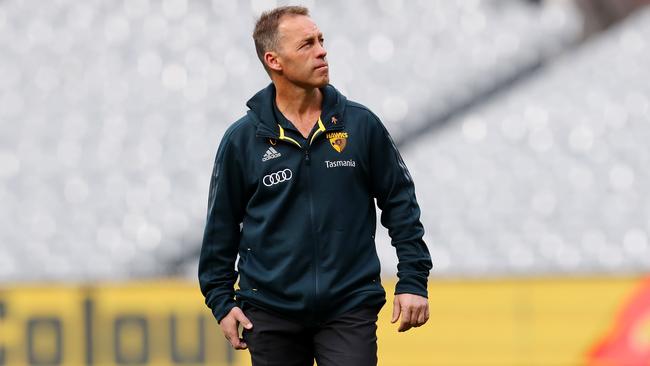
(555, 321)
(153, 323)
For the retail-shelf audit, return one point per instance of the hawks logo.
(338, 140)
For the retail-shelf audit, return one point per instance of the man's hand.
(230, 327)
(414, 310)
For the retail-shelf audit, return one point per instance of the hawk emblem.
(338, 140)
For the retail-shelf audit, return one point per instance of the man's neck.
(297, 103)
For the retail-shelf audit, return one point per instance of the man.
(292, 192)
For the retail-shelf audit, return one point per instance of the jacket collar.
(261, 110)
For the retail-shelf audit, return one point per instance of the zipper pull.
(307, 160)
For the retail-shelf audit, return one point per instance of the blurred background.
(525, 125)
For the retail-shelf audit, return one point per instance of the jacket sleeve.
(217, 274)
(393, 187)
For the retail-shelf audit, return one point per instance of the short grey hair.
(265, 34)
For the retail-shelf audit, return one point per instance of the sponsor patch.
(278, 177)
(340, 163)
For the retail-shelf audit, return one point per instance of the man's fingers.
(403, 327)
(241, 344)
(237, 343)
(396, 310)
(422, 317)
(243, 320)
(414, 311)
(231, 335)
(405, 324)
(230, 327)
(415, 315)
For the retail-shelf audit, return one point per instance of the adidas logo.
(271, 153)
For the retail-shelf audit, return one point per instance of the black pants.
(348, 340)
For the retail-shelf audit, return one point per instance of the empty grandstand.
(111, 111)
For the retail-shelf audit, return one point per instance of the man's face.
(300, 52)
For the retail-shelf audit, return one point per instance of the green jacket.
(300, 213)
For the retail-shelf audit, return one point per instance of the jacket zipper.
(314, 236)
(307, 159)
(321, 129)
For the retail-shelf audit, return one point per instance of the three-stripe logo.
(271, 153)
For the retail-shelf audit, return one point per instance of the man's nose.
(321, 51)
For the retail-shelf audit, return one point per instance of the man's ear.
(272, 61)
